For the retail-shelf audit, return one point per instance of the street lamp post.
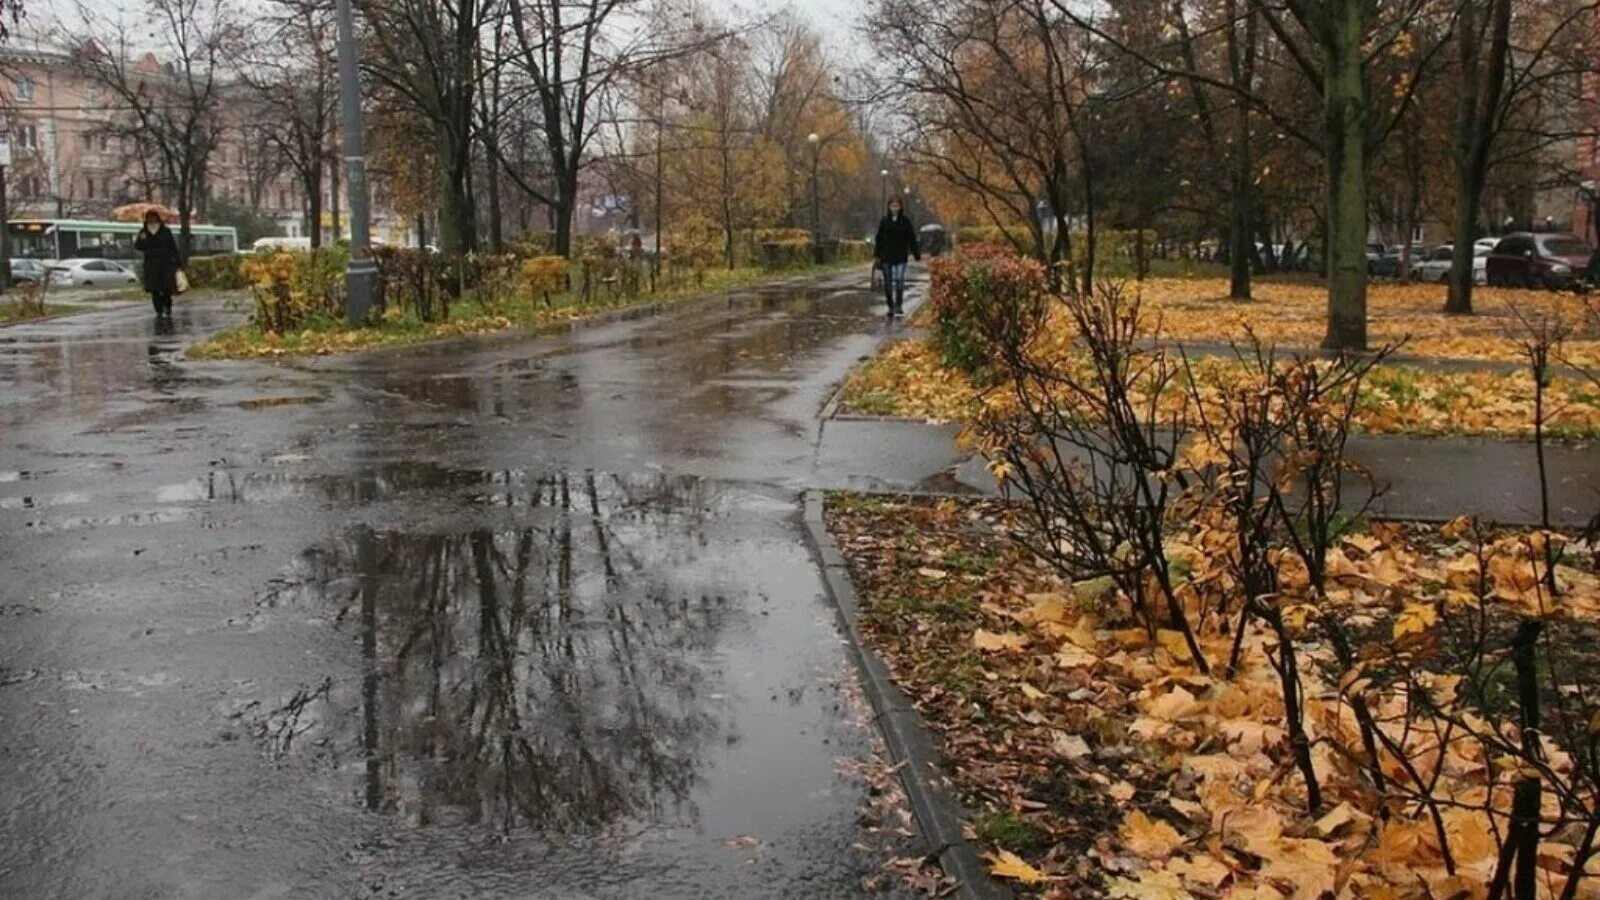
(5, 217)
(361, 276)
(815, 140)
(883, 192)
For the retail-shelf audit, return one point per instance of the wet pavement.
(517, 617)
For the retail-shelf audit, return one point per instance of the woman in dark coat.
(161, 262)
(896, 240)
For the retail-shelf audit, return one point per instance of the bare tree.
(571, 55)
(169, 99)
(1509, 60)
(992, 99)
(295, 86)
(425, 55)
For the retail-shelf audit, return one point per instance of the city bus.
(77, 238)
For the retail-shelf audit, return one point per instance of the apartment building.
(67, 162)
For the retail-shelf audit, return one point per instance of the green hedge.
(222, 273)
(994, 234)
(1111, 244)
(785, 254)
(855, 251)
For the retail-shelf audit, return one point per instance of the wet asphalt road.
(519, 617)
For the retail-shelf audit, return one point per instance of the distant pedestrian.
(162, 262)
(896, 241)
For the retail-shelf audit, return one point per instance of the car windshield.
(1565, 247)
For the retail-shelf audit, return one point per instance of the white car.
(1435, 266)
(89, 273)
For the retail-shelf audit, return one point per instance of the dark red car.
(1538, 260)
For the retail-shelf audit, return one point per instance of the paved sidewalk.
(1428, 479)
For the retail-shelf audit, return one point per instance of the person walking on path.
(896, 240)
(161, 262)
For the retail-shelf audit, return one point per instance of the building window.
(27, 137)
(283, 199)
(23, 87)
(88, 141)
(88, 187)
(105, 143)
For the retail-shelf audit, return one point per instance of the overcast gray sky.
(835, 18)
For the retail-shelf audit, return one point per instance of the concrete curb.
(938, 813)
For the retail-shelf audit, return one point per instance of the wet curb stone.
(939, 814)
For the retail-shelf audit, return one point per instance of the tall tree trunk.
(313, 186)
(1239, 249)
(1241, 64)
(185, 216)
(333, 196)
(458, 231)
(496, 231)
(1345, 106)
(561, 214)
(1482, 83)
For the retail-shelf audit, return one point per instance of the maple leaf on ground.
(1150, 885)
(1202, 870)
(1173, 705)
(1005, 864)
(1148, 837)
(1416, 618)
(988, 640)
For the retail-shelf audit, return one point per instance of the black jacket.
(161, 260)
(896, 240)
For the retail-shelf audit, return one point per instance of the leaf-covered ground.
(907, 379)
(1295, 315)
(1100, 763)
(1478, 391)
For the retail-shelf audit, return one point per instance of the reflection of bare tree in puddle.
(545, 674)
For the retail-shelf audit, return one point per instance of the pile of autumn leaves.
(1221, 810)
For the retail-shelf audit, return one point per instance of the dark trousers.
(162, 301)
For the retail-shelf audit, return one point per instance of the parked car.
(1548, 260)
(1388, 265)
(280, 243)
(1486, 244)
(1375, 252)
(89, 273)
(26, 271)
(1435, 266)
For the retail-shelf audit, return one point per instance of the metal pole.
(661, 123)
(5, 235)
(816, 207)
(362, 275)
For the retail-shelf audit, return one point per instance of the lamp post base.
(361, 290)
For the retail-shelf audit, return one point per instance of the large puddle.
(644, 664)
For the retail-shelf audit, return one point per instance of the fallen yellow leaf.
(1005, 864)
(1150, 885)
(1203, 870)
(1416, 618)
(988, 640)
(1149, 838)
